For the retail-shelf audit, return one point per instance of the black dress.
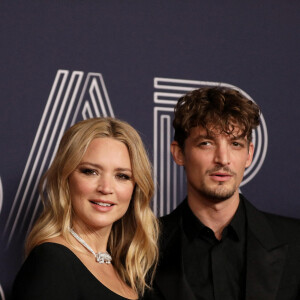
(52, 271)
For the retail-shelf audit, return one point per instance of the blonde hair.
(133, 239)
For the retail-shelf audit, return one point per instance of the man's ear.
(177, 153)
(250, 155)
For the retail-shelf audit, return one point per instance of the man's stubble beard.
(217, 194)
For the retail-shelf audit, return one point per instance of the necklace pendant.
(103, 257)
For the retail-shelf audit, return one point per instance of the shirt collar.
(193, 227)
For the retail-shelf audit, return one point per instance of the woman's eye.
(89, 171)
(123, 176)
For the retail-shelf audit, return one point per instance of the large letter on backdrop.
(71, 99)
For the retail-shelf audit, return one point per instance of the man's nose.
(222, 154)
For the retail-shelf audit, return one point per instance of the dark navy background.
(254, 45)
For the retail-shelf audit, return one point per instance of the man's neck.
(215, 215)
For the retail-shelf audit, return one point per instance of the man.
(215, 244)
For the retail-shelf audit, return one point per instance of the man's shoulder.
(172, 218)
(276, 219)
(170, 225)
(286, 225)
(286, 228)
(280, 219)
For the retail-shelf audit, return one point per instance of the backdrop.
(64, 61)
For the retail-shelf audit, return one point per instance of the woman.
(96, 237)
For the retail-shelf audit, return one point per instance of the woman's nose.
(105, 185)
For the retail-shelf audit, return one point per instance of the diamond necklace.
(101, 257)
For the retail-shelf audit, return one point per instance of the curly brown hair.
(215, 109)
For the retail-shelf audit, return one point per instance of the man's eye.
(89, 171)
(205, 143)
(237, 144)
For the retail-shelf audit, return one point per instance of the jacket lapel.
(265, 257)
(170, 276)
(265, 260)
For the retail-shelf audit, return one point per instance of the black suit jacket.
(273, 258)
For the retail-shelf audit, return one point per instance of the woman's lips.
(102, 205)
